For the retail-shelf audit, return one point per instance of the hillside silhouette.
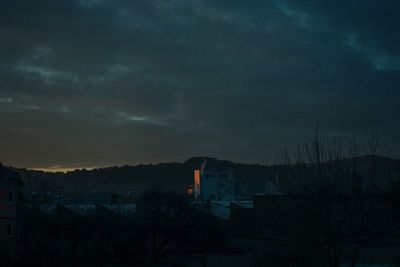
(250, 178)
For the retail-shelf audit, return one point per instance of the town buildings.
(271, 229)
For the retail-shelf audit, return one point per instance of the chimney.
(203, 166)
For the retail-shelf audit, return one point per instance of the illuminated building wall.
(197, 178)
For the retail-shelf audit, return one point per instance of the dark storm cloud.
(95, 82)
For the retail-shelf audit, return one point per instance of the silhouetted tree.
(349, 214)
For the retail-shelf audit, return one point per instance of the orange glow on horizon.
(62, 169)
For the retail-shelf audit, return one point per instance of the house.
(214, 184)
(81, 233)
(11, 196)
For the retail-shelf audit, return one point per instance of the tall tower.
(197, 184)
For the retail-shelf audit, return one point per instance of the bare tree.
(341, 186)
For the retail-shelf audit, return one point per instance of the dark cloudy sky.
(101, 82)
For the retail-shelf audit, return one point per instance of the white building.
(214, 185)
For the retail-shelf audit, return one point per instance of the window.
(9, 230)
(11, 197)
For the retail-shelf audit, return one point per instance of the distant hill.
(371, 172)
(250, 178)
(175, 176)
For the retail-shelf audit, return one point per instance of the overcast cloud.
(97, 82)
